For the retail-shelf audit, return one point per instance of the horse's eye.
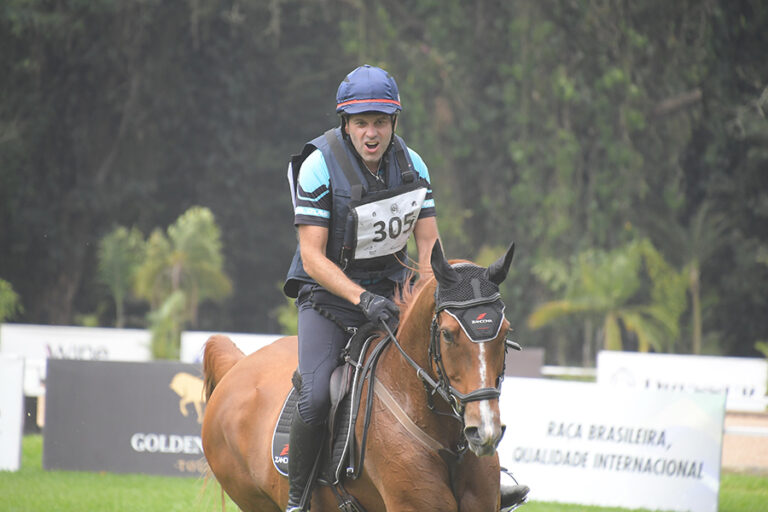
(447, 335)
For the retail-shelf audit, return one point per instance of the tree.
(182, 270)
(551, 123)
(288, 317)
(9, 301)
(115, 113)
(609, 285)
(166, 323)
(691, 245)
(120, 253)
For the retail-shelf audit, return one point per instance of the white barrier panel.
(193, 342)
(36, 343)
(742, 379)
(11, 411)
(588, 444)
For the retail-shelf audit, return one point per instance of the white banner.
(744, 380)
(11, 411)
(193, 343)
(36, 343)
(588, 444)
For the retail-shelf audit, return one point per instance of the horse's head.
(468, 343)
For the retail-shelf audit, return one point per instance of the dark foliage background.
(564, 125)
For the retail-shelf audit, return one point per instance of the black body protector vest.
(369, 228)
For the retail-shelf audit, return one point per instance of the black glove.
(379, 309)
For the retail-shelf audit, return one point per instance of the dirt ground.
(745, 442)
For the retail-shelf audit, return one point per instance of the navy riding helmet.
(368, 89)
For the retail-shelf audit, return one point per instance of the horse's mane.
(407, 296)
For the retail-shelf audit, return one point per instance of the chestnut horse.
(434, 418)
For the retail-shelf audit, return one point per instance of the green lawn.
(33, 490)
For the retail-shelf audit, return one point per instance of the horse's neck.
(414, 332)
(401, 379)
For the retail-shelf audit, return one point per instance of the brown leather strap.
(402, 417)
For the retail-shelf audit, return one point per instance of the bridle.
(443, 387)
(456, 399)
(460, 292)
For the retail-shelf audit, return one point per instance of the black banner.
(124, 417)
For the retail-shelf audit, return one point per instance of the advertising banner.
(588, 444)
(124, 417)
(744, 380)
(11, 411)
(36, 343)
(193, 342)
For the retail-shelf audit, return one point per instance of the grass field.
(34, 490)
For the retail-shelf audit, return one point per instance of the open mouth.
(371, 146)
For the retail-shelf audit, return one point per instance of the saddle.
(337, 456)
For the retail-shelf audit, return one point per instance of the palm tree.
(691, 245)
(182, 270)
(120, 253)
(606, 284)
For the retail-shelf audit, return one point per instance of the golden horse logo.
(190, 390)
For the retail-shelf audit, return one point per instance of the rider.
(358, 192)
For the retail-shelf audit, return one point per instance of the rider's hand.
(377, 308)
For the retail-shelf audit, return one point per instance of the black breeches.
(321, 341)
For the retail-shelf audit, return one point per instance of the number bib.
(384, 225)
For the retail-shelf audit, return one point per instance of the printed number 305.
(394, 227)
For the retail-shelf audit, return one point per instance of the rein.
(430, 385)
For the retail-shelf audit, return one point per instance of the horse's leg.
(238, 423)
(477, 483)
(408, 478)
(411, 478)
(230, 465)
(425, 492)
(248, 499)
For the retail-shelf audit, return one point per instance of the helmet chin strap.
(394, 125)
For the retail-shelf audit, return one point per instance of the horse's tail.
(220, 356)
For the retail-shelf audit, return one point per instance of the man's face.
(370, 134)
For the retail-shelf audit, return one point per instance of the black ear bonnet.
(473, 300)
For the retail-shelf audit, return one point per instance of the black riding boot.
(513, 495)
(303, 446)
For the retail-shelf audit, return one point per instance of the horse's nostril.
(472, 435)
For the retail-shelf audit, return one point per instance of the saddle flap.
(341, 381)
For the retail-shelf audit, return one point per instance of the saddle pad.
(282, 433)
(333, 467)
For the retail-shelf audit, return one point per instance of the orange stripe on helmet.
(352, 102)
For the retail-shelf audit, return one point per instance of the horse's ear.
(445, 274)
(497, 271)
